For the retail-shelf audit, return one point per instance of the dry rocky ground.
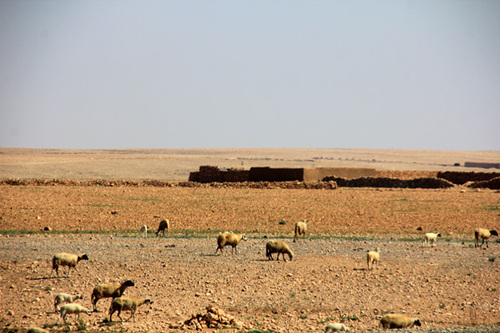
(453, 287)
(449, 286)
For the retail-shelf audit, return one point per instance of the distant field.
(175, 164)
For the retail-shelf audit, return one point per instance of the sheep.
(164, 225)
(144, 231)
(398, 321)
(335, 328)
(300, 229)
(278, 247)
(66, 259)
(72, 308)
(430, 238)
(229, 238)
(109, 290)
(373, 258)
(126, 304)
(484, 234)
(65, 298)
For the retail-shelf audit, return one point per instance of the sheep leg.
(94, 302)
(77, 271)
(131, 315)
(64, 318)
(111, 315)
(119, 312)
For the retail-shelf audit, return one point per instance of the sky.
(416, 74)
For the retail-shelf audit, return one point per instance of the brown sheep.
(278, 247)
(126, 304)
(484, 234)
(300, 230)
(164, 225)
(109, 290)
(398, 321)
(228, 238)
(66, 259)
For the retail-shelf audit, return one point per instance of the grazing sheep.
(373, 258)
(484, 234)
(164, 225)
(66, 259)
(144, 231)
(65, 298)
(430, 238)
(228, 238)
(336, 327)
(278, 247)
(126, 304)
(72, 308)
(109, 290)
(398, 321)
(300, 229)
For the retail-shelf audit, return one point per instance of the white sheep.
(144, 231)
(229, 238)
(430, 238)
(164, 225)
(335, 327)
(66, 259)
(398, 321)
(65, 298)
(126, 304)
(109, 290)
(279, 247)
(72, 308)
(373, 257)
(300, 229)
(484, 234)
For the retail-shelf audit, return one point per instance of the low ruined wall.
(316, 174)
(493, 184)
(483, 165)
(268, 174)
(210, 174)
(461, 178)
(392, 182)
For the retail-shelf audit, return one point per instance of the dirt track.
(451, 285)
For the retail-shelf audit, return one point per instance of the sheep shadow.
(47, 278)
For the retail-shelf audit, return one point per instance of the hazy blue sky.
(213, 74)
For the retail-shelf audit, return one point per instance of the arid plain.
(450, 285)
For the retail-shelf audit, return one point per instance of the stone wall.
(482, 165)
(317, 174)
(461, 178)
